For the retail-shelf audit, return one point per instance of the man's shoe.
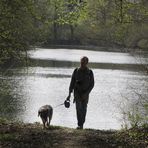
(80, 127)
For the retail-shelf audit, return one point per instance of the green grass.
(7, 137)
(33, 135)
(3, 120)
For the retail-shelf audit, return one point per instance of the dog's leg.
(48, 123)
(43, 120)
(50, 115)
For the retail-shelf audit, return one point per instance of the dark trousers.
(81, 109)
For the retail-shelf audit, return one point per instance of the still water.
(24, 90)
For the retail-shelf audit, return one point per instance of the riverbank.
(21, 135)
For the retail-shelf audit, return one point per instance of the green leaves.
(66, 12)
(19, 26)
(24, 23)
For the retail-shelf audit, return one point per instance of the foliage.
(138, 116)
(135, 114)
(134, 137)
(90, 22)
(112, 22)
(18, 26)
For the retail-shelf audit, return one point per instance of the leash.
(58, 105)
(63, 103)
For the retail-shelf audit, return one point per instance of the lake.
(46, 81)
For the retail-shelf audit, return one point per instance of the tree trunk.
(71, 33)
(55, 31)
(121, 11)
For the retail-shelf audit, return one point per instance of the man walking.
(82, 82)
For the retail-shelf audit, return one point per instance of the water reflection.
(12, 104)
(46, 81)
(98, 59)
(54, 63)
(37, 86)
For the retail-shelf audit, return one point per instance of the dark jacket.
(82, 82)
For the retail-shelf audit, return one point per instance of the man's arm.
(72, 83)
(91, 82)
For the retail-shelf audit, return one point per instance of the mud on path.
(20, 135)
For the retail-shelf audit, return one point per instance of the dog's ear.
(38, 114)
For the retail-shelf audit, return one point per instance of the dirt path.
(21, 135)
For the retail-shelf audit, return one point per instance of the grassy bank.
(20, 135)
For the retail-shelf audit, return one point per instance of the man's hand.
(74, 100)
(68, 98)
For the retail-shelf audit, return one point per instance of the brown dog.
(45, 112)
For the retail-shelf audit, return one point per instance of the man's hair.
(85, 58)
